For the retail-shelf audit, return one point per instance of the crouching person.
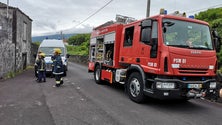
(58, 67)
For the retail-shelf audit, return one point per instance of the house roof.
(2, 5)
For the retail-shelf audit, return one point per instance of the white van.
(47, 46)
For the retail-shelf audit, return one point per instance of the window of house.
(24, 31)
(128, 39)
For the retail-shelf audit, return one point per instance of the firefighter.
(41, 67)
(58, 67)
(189, 43)
(36, 66)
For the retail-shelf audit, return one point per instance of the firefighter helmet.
(42, 54)
(57, 50)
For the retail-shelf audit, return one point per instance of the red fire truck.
(163, 56)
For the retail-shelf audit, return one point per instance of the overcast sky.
(53, 16)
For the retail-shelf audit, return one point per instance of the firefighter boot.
(57, 83)
(61, 81)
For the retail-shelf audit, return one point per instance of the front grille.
(49, 67)
(192, 71)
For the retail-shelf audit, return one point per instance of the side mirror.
(146, 27)
(215, 34)
(146, 35)
(67, 55)
(217, 44)
(146, 23)
(216, 40)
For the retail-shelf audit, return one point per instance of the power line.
(94, 13)
(204, 8)
(113, 0)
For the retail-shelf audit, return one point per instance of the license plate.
(196, 86)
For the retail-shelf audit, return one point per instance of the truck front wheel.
(97, 74)
(135, 88)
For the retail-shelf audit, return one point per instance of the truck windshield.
(49, 50)
(186, 35)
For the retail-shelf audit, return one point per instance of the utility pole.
(7, 21)
(7, 7)
(148, 8)
(61, 35)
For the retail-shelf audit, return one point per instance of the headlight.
(213, 85)
(165, 85)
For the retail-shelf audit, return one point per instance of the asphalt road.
(80, 101)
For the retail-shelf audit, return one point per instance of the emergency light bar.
(176, 13)
(191, 16)
(163, 11)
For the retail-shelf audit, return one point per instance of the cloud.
(44, 25)
(64, 15)
(82, 29)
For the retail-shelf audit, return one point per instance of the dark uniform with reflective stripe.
(58, 70)
(53, 59)
(41, 66)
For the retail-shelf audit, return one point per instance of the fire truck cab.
(163, 56)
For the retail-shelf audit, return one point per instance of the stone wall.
(7, 60)
(79, 59)
(7, 47)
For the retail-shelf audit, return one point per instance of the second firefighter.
(58, 68)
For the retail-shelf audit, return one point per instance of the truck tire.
(97, 75)
(135, 88)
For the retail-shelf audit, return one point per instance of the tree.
(78, 39)
(37, 43)
(81, 42)
(213, 17)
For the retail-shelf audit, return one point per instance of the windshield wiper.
(201, 48)
(182, 46)
(186, 46)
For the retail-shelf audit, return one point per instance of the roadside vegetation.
(78, 44)
(37, 43)
(213, 17)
